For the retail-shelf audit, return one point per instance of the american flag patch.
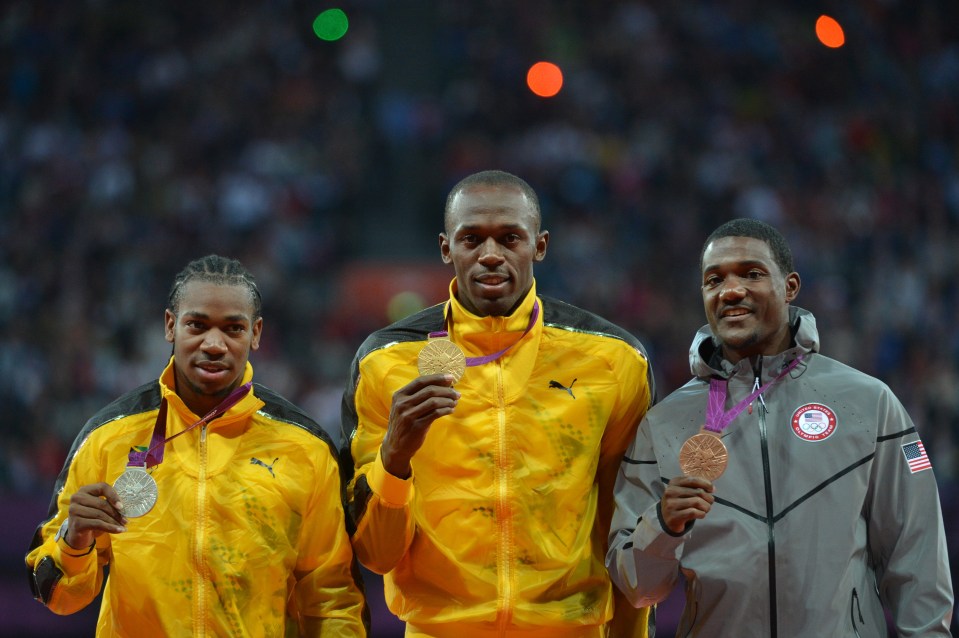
(916, 457)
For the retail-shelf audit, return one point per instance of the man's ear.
(169, 322)
(542, 241)
(445, 249)
(257, 329)
(793, 284)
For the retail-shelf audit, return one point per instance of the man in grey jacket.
(792, 491)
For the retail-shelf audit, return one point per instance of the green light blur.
(403, 304)
(331, 25)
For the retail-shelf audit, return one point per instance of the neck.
(735, 355)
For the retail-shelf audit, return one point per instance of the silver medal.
(137, 491)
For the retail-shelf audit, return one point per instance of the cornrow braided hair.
(218, 270)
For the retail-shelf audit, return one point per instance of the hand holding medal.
(409, 421)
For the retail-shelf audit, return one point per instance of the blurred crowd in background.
(137, 136)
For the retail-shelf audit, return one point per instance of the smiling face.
(212, 336)
(747, 297)
(492, 239)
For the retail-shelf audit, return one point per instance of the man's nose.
(733, 290)
(214, 341)
(491, 253)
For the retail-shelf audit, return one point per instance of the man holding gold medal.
(214, 503)
(791, 491)
(486, 433)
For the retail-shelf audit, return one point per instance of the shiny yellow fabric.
(501, 530)
(229, 549)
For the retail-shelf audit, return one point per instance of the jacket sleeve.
(379, 503)
(65, 579)
(643, 557)
(637, 395)
(328, 595)
(906, 537)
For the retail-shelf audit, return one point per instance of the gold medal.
(703, 455)
(442, 356)
(137, 491)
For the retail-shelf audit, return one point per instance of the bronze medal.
(442, 356)
(137, 491)
(703, 455)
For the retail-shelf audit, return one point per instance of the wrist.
(398, 467)
(74, 543)
(391, 490)
(669, 528)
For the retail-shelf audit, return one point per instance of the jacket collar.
(706, 361)
(243, 409)
(484, 335)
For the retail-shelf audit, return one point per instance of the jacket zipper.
(505, 511)
(770, 531)
(854, 608)
(199, 580)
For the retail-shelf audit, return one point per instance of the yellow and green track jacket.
(501, 529)
(247, 537)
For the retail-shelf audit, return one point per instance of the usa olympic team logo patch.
(814, 422)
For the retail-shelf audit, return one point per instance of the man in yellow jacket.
(486, 433)
(215, 503)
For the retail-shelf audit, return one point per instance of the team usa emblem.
(814, 422)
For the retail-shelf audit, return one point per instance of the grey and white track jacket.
(828, 509)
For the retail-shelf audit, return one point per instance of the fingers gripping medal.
(704, 454)
(136, 488)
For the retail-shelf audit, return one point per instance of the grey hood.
(705, 362)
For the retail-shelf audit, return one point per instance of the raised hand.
(415, 406)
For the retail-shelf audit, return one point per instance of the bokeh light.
(830, 32)
(331, 25)
(403, 304)
(545, 79)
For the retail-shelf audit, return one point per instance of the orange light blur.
(829, 32)
(545, 79)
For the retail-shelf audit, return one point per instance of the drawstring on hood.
(706, 358)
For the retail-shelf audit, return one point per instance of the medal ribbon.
(478, 361)
(716, 419)
(154, 455)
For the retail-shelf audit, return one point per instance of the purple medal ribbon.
(716, 419)
(154, 455)
(478, 361)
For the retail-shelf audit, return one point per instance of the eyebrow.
(470, 227)
(748, 263)
(202, 315)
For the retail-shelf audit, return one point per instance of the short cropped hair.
(756, 229)
(493, 178)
